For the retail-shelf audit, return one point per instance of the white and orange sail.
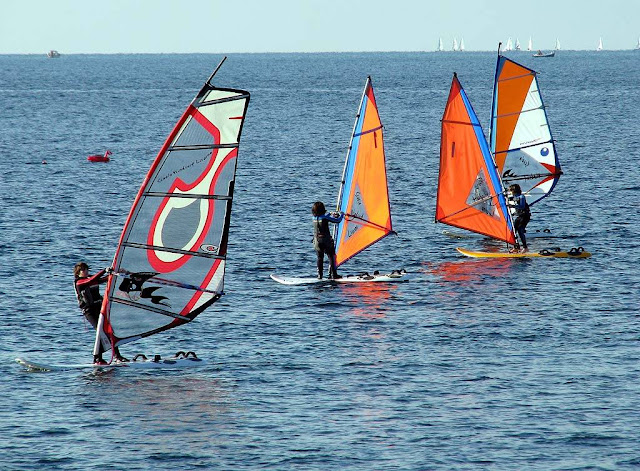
(170, 262)
(521, 141)
(470, 193)
(364, 195)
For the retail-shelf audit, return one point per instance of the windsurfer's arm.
(92, 280)
(333, 219)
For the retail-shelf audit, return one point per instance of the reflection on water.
(165, 402)
(369, 300)
(469, 270)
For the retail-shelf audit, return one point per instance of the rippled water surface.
(516, 364)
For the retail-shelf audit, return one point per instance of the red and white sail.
(170, 262)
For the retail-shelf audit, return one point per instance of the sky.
(233, 26)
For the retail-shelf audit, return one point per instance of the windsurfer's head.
(79, 268)
(515, 189)
(318, 208)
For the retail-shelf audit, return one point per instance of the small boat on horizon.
(544, 54)
(53, 54)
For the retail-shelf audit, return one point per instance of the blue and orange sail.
(521, 140)
(364, 194)
(470, 194)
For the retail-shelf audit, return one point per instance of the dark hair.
(515, 189)
(318, 208)
(78, 267)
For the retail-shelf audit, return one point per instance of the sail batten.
(187, 195)
(364, 194)
(203, 146)
(170, 262)
(158, 248)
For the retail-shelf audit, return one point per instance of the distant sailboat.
(599, 48)
(530, 46)
(455, 44)
(440, 45)
(53, 54)
(638, 45)
(557, 48)
(517, 44)
(461, 44)
(509, 46)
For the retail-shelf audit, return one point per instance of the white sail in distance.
(455, 44)
(599, 48)
(440, 45)
(557, 48)
(530, 46)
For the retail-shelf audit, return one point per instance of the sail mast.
(353, 134)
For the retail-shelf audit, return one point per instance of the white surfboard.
(143, 364)
(395, 276)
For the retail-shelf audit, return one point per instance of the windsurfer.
(90, 302)
(322, 240)
(519, 203)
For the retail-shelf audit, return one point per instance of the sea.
(469, 364)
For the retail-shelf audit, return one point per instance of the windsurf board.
(573, 253)
(141, 364)
(394, 276)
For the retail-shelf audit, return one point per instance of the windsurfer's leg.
(519, 224)
(320, 261)
(332, 260)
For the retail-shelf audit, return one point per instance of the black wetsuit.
(90, 301)
(523, 216)
(323, 243)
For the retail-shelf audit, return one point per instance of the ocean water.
(498, 364)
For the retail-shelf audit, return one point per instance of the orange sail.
(470, 194)
(364, 195)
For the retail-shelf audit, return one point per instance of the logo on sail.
(480, 197)
(358, 211)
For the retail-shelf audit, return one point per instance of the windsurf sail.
(364, 195)
(521, 140)
(470, 193)
(170, 262)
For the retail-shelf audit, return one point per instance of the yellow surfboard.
(573, 253)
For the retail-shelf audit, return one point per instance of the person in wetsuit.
(90, 302)
(322, 240)
(522, 213)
